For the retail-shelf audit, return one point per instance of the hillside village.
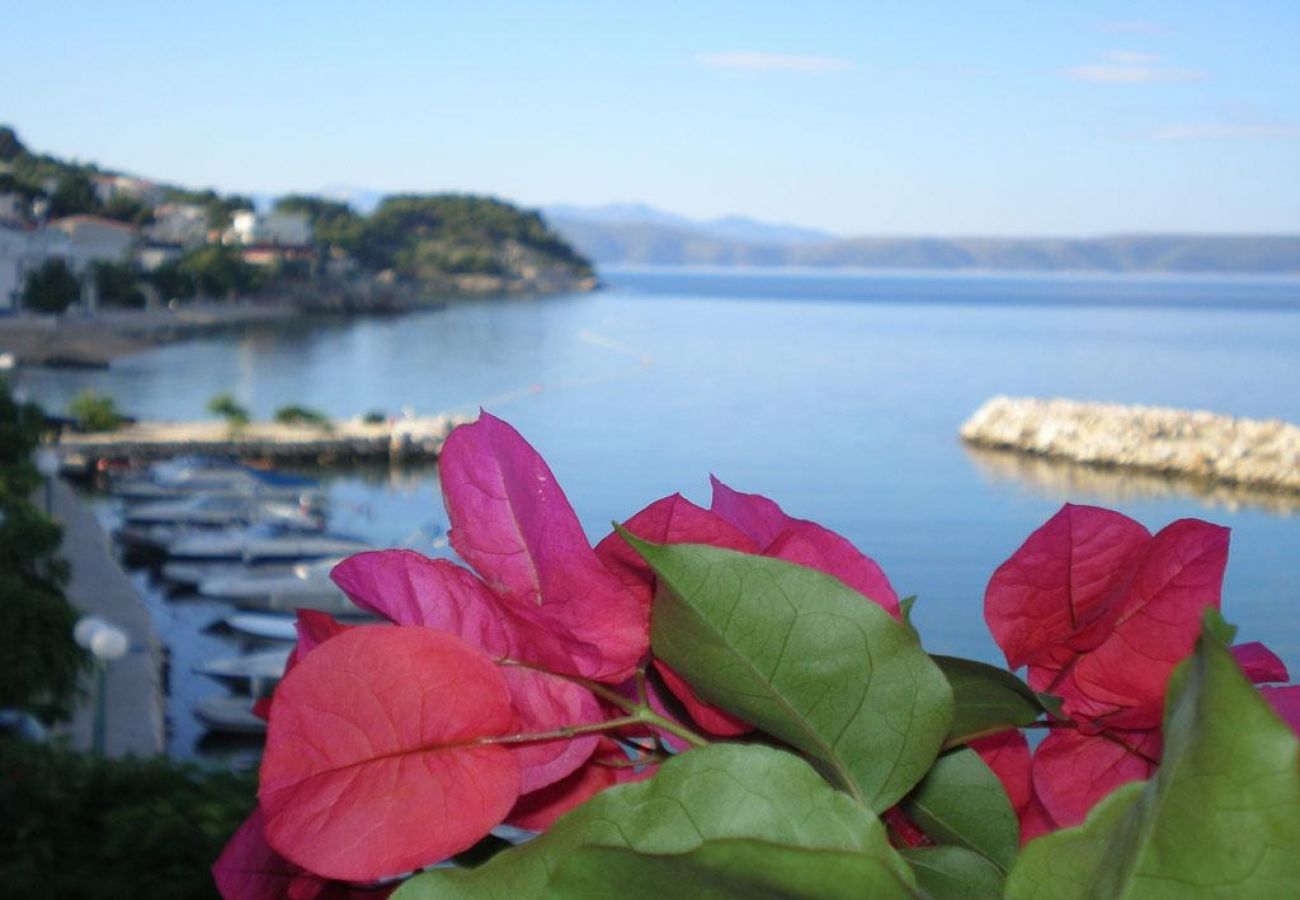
(73, 236)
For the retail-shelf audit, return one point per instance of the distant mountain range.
(634, 234)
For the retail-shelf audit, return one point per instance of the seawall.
(349, 440)
(1254, 453)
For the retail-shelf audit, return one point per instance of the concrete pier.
(134, 702)
(342, 440)
(1258, 454)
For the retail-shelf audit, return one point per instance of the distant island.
(73, 234)
(640, 235)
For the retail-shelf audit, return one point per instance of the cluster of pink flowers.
(515, 688)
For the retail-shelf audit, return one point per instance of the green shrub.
(301, 415)
(52, 288)
(375, 417)
(225, 406)
(94, 828)
(94, 412)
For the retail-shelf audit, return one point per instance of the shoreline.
(1194, 445)
(95, 340)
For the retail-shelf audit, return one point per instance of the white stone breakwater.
(1174, 442)
(342, 440)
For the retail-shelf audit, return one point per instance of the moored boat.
(230, 714)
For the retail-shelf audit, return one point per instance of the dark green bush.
(98, 829)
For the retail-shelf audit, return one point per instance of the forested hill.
(641, 243)
(454, 243)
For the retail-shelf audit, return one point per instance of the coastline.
(95, 340)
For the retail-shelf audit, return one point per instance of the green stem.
(567, 731)
(638, 713)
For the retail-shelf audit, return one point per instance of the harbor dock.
(338, 441)
(1201, 446)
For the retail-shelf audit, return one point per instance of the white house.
(185, 224)
(11, 207)
(96, 239)
(109, 186)
(24, 250)
(278, 229)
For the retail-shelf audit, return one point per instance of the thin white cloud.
(1134, 26)
(772, 62)
(1132, 58)
(1131, 67)
(1219, 132)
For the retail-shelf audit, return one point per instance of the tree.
(225, 406)
(94, 412)
(42, 662)
(74, 194)
(10, 146)
(218, 271)
(332, 223)
(52, 288)
(118, 285)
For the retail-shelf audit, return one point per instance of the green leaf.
(804, 658)
(962, 802)
(723, 793)
(986, 699)
(954, 873)
(726, 870)
(1221, 818)
(1220, 627)
(905, 610)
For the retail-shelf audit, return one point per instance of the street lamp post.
(47, 463)
(107, 643)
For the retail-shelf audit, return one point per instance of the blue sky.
(1049, 117)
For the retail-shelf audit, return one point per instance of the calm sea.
(839, 395)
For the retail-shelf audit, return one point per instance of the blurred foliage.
(52, 288)
(95, 412)
(119, 285)
(426, 236)
(100, 829)
(332, 223)
(225, 406)
(301, 415)
(42, 663)
(218, 271)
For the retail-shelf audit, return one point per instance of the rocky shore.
(1197, 445)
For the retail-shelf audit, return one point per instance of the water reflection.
(1063, 480)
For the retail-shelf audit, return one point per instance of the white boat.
(223, 510)
(184, 476)
(259, 671)
(307, 579)
(263, 543)
(268, 626)
(230, 714)
(193, 573)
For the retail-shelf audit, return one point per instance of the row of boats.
(252, 539)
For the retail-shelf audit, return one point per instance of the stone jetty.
(1210, 448)
(338, 441)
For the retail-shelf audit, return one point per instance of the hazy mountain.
(727, 228)
(615, 242)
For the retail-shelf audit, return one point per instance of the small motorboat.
(230, 714)
(257, 671)
(184, 476)
(206, 510)
(307, 578)
(267, 626)
(193, 573)
(264, 543)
